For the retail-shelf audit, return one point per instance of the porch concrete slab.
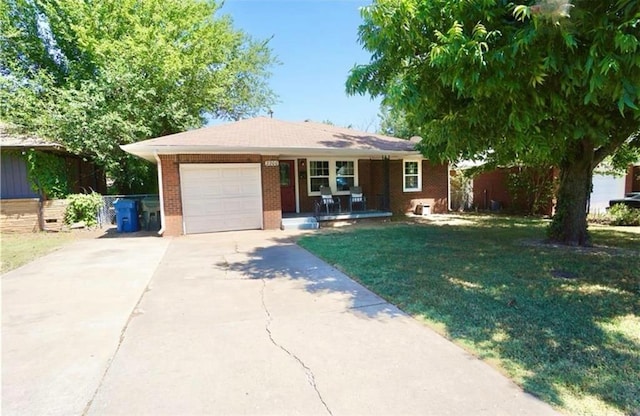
(249, 323)
(62, 318)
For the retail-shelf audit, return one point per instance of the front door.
(287, 186)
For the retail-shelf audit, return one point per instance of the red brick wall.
(491, 186)
(495, 183)
(435, 187)
(632, 180)
(171, 187)
(271, 203)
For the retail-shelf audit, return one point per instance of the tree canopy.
(393, 122)
(95, 75)
(545, 83)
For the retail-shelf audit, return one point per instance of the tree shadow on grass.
(286, 260)
(553, 335)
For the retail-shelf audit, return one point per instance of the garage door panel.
(208, 225)
(221, 197)
(223, 192)
(228, 206)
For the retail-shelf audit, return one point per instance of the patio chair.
(327, 201)
(357, 197)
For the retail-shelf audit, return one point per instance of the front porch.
(310, 220)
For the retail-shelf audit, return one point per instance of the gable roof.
(267, 136)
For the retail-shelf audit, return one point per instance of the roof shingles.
(10, 139)
(271, 135)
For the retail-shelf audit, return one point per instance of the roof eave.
(147, 152)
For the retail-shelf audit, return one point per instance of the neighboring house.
(607, 187)
(489, 190)
(632, 179)
(247, 174)
(21, 206)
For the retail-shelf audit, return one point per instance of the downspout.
(160, 192)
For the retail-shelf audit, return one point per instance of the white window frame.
(332, 174)
(404, 175)
(309, 177)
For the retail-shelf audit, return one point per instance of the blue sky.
(316, 42)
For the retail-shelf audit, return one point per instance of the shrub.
(531, 189)
(621, 214)
(83, 207)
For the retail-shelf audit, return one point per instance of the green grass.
(21, 248)
(489, 285)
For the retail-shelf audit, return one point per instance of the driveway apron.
(62, 319)
(249, 323)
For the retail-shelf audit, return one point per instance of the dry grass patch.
(17, 249)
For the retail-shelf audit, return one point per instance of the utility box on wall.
(423, 209)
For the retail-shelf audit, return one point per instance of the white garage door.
(221, 197)
(605, 187)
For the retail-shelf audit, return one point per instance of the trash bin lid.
(125, 204)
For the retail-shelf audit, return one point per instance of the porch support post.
(386, 185)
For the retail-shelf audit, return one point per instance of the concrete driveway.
(229, 323)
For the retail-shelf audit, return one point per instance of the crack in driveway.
(137, 310)
(308, 372)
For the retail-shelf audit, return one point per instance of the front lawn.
(562, 322)
(21, 248)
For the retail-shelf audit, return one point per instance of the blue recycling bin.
(126, 215)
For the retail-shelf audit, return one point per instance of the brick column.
(171, 195)
(271, 205)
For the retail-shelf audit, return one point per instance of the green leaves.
(83, 207)
(626, 42)
(95, 75)
(524, 83)
(522, 12)
(47, 174)
(501, 76)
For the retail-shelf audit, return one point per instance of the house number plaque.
(271, 163)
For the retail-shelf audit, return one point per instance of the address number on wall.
(272, 163)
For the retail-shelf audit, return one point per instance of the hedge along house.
(251, 173)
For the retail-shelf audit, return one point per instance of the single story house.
(82, 174)
(24, 209)
(248, 174)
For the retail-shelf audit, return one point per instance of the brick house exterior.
(632, 179)
(267, 144)
(81, 174)
(491, 192)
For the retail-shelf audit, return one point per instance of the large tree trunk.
(569, 225)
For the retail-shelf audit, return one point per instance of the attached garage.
(221, 197)
(236, 176)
